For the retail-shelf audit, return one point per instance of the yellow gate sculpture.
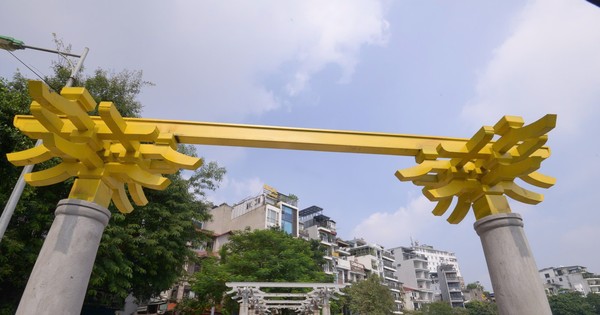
(108, 151)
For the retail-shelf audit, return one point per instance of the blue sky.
(412, 67)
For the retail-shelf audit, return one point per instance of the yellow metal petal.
(539, 180)
(137, 194)
(460, 210)
(521, 194)
(120, 199)
(442, 206)
(31, 156)
(50, 176)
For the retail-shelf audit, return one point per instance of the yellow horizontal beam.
(257, 136)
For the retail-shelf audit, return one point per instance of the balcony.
(388, 256)
(393, 288)
(388, 265)
(343, 251)
(327, 227)
(420, 266)
(588, 275)
(456, 297)
(390, 276)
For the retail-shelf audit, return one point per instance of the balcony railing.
(388, 264)
(388, 255)
(588, 275)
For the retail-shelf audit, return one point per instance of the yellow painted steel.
(103, 162)
(109, 151)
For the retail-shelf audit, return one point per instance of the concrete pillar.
(517, 285)
(326, 310)
(60, 277)
(244, 308)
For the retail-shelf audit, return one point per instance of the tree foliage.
(482, 308)
(593, 299)
(572, 303)
(262, 256)
(369, 297)
(141, 252)
(440, 308)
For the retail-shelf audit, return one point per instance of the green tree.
(474, 285)
(437, 308)
(481, 308)
(140, 253)
(593, 299)
(370, 297)
(209, 283)
(570, 303)
(440, 308)
(154, 242)
(262, 256)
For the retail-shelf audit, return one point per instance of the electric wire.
(34, 72)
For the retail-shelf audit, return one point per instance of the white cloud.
(215, 59)
(245, 43)
(234, 190)
(549, 64)
(391, 229)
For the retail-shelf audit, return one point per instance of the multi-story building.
(317, 226)
(450, 285)
(436, 257)
(380, 262)
(570, 278)
(349, 269)
(268, 209)
(412, 270)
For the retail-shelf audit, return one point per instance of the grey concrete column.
(244, 308)
(326, 310)
(517, 285)
(60, 277)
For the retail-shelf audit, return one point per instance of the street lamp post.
(11, 44)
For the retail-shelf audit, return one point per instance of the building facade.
(570, 278)
(450, 285)
(379, 261)
(317, 226)
(265, 210)
(413, 272)
(436, 257)
(350, 261)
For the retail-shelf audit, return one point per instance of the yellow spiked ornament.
(102, 162)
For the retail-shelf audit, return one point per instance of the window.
(272, 217)
(547, 275)
(288, 220)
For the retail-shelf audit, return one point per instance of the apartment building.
(380, 262)
(413, 272)
(450, 285)
(436, 257)
(265, 210)
(570, 278)
(349, 261)
(317, 226)
(348, 269)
